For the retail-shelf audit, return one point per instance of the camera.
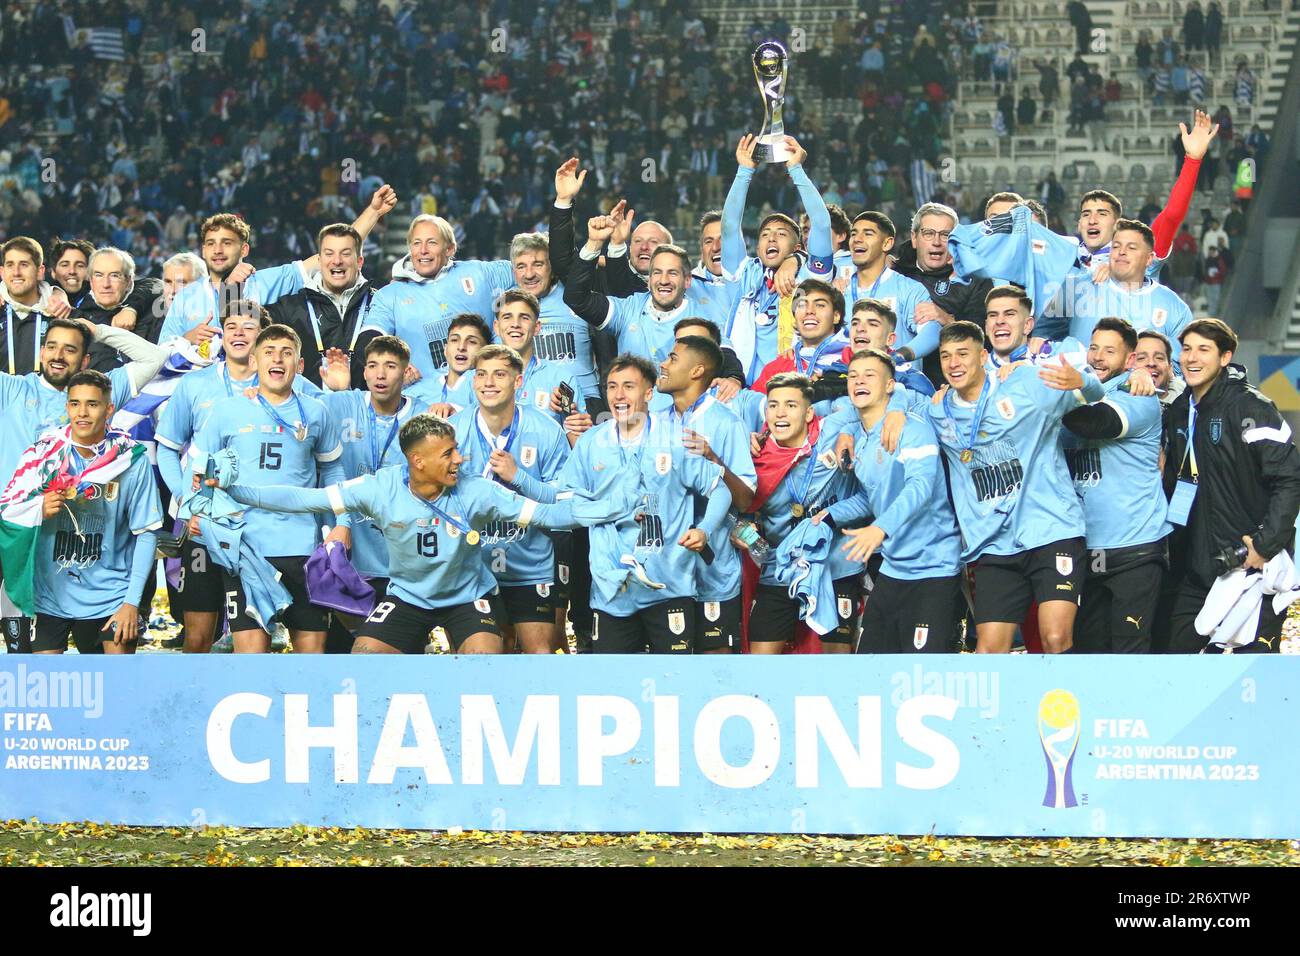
(1230, 558)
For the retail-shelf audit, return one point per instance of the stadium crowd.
(840, 422)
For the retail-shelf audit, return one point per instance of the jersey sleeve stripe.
(918, 453)
(1123, 419)
(331, 455)
(336, 499)
(526, 513)
(1280, 435)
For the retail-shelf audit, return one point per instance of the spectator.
(1166, 49)
(1027, 108)
(1196, 84)
(1150, 209)
(1180, 81)
(1214, 271)
(1234, 226)
(1078, 68)
(1257, 142)
(1214, 236)
(1051, 194)
(1007, 110)
(1081, 20)
(1049, 84)
(1214, 29)
(1183, 262)
(1194, 26)
(1144, 57)
(1244, 84)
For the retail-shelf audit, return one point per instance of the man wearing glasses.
(926, 259)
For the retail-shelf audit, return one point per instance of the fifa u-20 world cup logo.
(1058, 729)
(770, 65)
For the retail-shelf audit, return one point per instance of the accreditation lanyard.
(377, 456)
(690, 412)
(811, 367)
(361, 320)
(1180, 504)
(800, 498)
(36, 341)
(225, 380)
(968, 450)
(315, 327)
(871, 293)
(301, 431)
(471, 536)
(490, 443)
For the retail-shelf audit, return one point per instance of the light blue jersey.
(515, 555)
(564, 342)
(672, 481)
(905, 492)
(274, 452)
(369, 443)
(188, 409)
(1049, 353)
(541, 379)
(29, 405)
(1119, 479)
(200, 301)
(419, 310)
(902, 295)
(1014, 493)
(85, 558)
(642, 329)
(432, 563)
(1153, 307)
(814, 482)
(436, 390)
(747, 405)
(729, 439)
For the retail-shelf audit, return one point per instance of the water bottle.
(759, 549)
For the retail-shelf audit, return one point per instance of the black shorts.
(718, 625)
(52, 634)
(667, 627)
(562, 546)
(1119, 606)
(775, 614)
(1006, 585)
(201, 585)
(528, 603)
(909, 617)
(300, 615)
(406, 627)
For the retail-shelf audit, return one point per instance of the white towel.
(1230, 615)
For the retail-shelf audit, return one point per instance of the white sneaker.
(279, 638)
(225, 644)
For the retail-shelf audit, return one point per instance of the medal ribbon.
(985, 392)
(377, 456)
(490, 443)
(270, 410)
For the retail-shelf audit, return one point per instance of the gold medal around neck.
(796, 509)
(967, 455)
(472, 537)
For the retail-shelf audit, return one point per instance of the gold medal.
(796, 509)
(471, 537)
(967, 455)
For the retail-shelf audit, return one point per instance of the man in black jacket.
(331, 309)
(1235, 487)
(925, 257)
(114, 296)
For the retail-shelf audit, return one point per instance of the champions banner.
(975, 745)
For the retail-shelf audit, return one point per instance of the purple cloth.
(333, 582)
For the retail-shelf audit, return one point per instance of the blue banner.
(977, 745)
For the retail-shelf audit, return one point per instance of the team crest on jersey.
(677, 622)
(483, 606)
(664, 464)
(941, 287)
(453, 531)
(1006, 408)
(528, 456)
(845, 607)
(1038, 246)
(891, 301)
(712, 610)
(564, 573)
(542, 399)
(920, 636)
(827, 458)
(1216, 430)
(1158, 317)
(467, 284)
(1064, 564)
(818, 266)
(544, 590)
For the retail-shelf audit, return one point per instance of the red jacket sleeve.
(773, 368)
(1165, 226)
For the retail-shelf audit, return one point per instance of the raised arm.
(821, 247)
(568, 181)
(733, 210)
(580, 294)
(1196, 142)
(146, 358)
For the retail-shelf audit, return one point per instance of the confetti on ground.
(28, 843)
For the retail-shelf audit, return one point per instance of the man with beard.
(29, 302)
(331, 309)
(196, 309)
(32, 403)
